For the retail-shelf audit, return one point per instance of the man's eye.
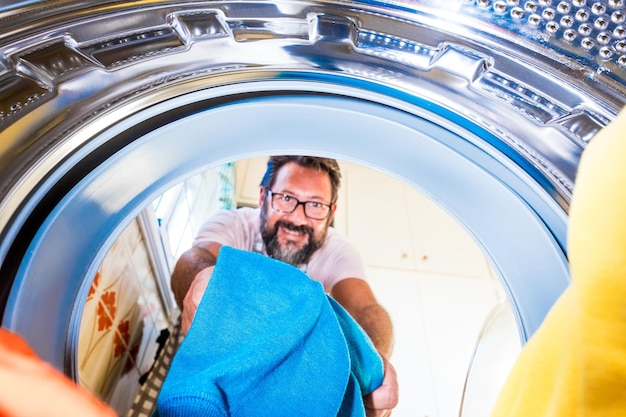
(287, 197)
(315, 204)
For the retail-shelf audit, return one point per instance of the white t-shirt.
(337, 259)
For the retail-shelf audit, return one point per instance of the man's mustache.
(293, 227)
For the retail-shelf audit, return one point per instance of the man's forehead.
(304, 181)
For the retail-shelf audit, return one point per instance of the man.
(297, 199)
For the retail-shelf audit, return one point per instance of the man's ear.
(261, 195)
(331, 217)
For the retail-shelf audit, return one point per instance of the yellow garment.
(575, 364)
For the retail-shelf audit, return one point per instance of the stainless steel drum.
(485, 106)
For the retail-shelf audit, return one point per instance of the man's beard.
(289, 254)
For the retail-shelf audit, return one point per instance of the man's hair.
(328, 165)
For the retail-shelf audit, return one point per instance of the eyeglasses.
(285, 203)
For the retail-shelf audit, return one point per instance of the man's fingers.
(380, 402)
(193, 298)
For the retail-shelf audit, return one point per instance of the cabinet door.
(440, 243)
(249, 175)
(378, 217)
(395, 226)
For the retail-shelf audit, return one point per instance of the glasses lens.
(317, 211)
(284, 203)
(287, 204)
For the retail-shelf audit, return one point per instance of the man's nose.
(298, 214)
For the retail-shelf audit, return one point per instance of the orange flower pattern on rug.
(94, 285)
(106, 310)
(106, 320)
(122, 338)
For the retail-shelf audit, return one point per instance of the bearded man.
(297, 204)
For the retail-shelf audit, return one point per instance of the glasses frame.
(271, 195)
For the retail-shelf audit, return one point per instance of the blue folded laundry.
(267, 341)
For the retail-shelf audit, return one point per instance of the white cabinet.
(249, 175)
(378, 221)
(394, 226)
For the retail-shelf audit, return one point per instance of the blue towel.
(267, 340)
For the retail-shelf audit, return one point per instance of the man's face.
(293, 237)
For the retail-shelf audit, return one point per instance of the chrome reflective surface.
(574, 92)
(590, 33)
(484, 106)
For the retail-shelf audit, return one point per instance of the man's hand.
(193, 297)
(380, 402)
(191, 262)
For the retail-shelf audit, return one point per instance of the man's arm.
(200, 256)
(356, 296)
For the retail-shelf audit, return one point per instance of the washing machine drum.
(484, 106)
